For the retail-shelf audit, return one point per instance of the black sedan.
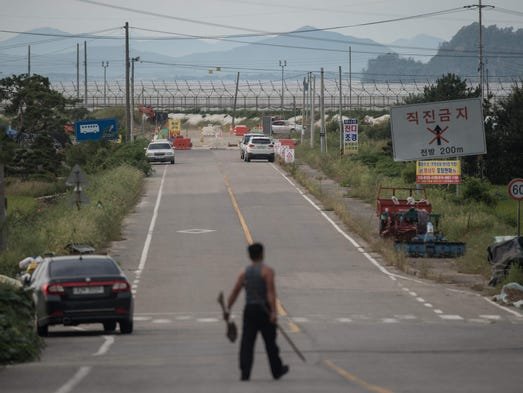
(77, 289)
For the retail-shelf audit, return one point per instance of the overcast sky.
(210, 17)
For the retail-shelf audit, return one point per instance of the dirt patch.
(363, 215)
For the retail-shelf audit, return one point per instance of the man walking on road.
(259, 313)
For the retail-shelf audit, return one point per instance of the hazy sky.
(209, 17)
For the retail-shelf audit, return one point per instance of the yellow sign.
(175, 127)
(438, 172)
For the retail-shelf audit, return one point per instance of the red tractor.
(401, 215)
(405, 215)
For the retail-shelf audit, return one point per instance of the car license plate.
(88, 290)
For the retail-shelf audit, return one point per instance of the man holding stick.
(259, 313)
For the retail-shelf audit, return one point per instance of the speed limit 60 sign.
(515, 189)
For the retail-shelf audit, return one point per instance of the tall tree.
(504, 136)
(447, 87)
(32, 105)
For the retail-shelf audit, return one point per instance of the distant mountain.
(409, 45)
(503, 50)
(303, 50)
(255, 57)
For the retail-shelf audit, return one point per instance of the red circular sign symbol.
(515, 189)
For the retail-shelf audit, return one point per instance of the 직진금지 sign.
(436, 130)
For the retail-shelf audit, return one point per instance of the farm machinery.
(410, 222)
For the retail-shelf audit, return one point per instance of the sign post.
(78, 180)
(515, 190)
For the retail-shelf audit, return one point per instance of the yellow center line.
(281, 311)
(355, 379)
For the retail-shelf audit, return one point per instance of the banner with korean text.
(350, 136)
(438, 172)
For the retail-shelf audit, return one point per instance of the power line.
(231, 27)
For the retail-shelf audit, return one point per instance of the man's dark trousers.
(256, 319)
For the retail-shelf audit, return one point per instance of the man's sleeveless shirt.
(255, 286)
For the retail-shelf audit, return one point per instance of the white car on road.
(259, 148)
(160, 151)
(243, 142)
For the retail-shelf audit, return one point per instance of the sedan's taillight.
(121, 286)
(53, 289)
(251, 145)
(271, 145)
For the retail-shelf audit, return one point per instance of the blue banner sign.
(95, 130)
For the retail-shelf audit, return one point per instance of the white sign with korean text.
(441, 129)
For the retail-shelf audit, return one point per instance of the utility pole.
(304, 111)
(77, 71)
(133, 60)
(85, 73)
(480, 52)
(481, 68)
(283, 64)
(350, 78)
(29, 60)
(340, 112)
(323, 147)
(313, 96)
(105, 64)
(235, 101)
(127, 87)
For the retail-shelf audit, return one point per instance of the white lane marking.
(161, 321)
(428, 305)
(75, 380)
(477, 320)
(147, 244)
(141, 318)
(420, 299)
(492, 317)
(413, 293)
(109, 340)
(344, 320)
(389, 320)
(451, 317)
(196, 231)
(438, 311)
(299, 320)
(207, 320)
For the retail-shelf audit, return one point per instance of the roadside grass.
(474, 223)
(34, 232)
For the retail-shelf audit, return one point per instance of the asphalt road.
(362, 326)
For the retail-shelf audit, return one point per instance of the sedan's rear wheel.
(126, 327)
(109, 326)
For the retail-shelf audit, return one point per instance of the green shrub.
(477, 190)
(96, 156)
(18, 339)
